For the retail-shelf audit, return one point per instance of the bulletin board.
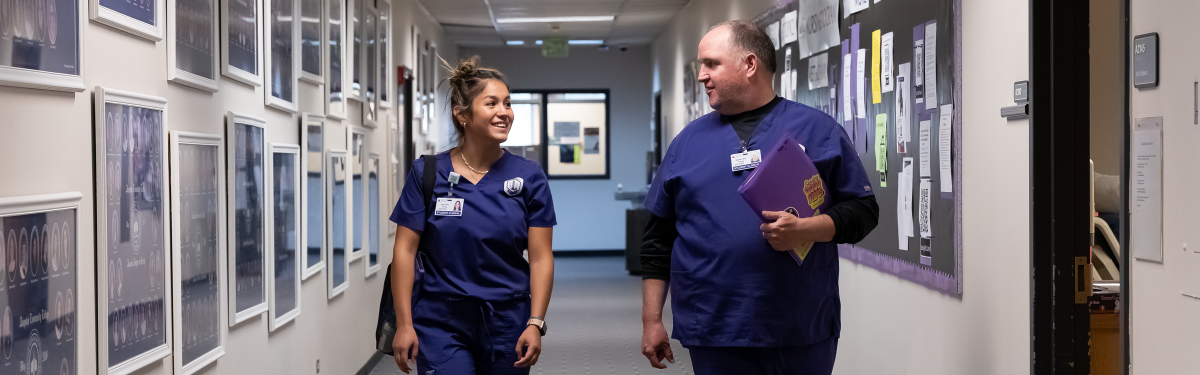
(816, 77)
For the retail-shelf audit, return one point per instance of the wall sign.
(1145, 61)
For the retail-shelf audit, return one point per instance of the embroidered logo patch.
(513, 187)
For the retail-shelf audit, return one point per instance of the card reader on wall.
(1021, 97)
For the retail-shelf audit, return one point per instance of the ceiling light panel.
(555, 19)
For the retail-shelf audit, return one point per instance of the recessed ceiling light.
(555, 19)
(539, 42)
(585, 41)
(515, 42)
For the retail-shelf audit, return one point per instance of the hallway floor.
(595, 324)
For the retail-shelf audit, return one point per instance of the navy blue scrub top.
(728, 286)
(479, 254)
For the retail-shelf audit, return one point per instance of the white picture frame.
(334, 60)
(259, 306)
(278, 316)
(374, 242)
(338, 171)
(49, 80)
(182, 76)
(387, 65)
(217, 306)
(105, 226)
(124, 22)
(354, 49)
(369, 66)
(356, 149)
(321, 21)
(313, 124)
(236, 73)
(291, 68)
(61, 247)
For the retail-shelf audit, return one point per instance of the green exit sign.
(554, 47)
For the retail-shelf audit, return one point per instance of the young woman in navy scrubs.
(481, 305)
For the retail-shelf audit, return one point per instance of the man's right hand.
(656, 346)
(404, 348)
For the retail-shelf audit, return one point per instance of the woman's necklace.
(464, 159)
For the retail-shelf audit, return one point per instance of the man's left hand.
(787, 231)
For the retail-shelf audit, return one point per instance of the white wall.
(1163, 323)
(891, 326)
(588, 216)
(46, 137)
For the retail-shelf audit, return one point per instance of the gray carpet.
(595, 324)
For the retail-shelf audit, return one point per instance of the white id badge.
(449, 207)
(746, 160)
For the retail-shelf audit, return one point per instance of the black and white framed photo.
(335, 59)
(132, 207)
(387, 70)
(198, 240)
(354, 9)
(339, 227)
(41, 41)
(373, 211)
(369, 65)
(312, 204)
(39, 239)
(143, 18)
(241, 37)
(192, 51)
(312, 39)
(284, 216)
(282, 38)
(356, 147)
(246, 171)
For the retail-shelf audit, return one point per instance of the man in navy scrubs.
(741, 305)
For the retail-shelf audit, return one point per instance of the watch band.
(539, 323)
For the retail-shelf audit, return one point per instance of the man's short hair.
(745, 38)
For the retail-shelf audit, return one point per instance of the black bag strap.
(429, 180)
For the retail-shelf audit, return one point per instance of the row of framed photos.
(343, 45)
(199, 232)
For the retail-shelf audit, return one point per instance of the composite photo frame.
(372, 212)
(354, 50)
(335, 59)
(45, 55)
(338, 269)
(283, 265)
(356, 147)
(387, 72)
(39, 237)
(132, 253)
(369, 65)
(241, 41)
(199, 243)
(192, 52)
(313, 39)
(143, 18)
(281, 38)
(313, 188)
(246, 173)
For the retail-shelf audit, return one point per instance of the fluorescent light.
(585, 41)
(515, 42)
(555, 19)
(539, 42)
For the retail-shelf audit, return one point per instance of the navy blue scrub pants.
(468, 336)
(812, 359)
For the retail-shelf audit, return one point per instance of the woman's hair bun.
(464, 72)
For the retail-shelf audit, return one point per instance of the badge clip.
(453, 179)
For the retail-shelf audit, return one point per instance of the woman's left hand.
(529, 347)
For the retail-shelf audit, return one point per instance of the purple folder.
(787, 180)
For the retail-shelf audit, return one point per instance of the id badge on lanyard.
(745, 160)
(450, 206)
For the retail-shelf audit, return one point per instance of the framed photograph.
(39, 239)
(356, 145)
(240, 37)
(192, 52)
(143, 18)
(312, 38)
(282, 35)
(387, 72)
(41, 55)
(393, 163)
(312, 203)
(335, 90)
(132, 209)
(354, 60)
(416, 61)
(369, 66)
(339, 227)
(198, 242)
(246, 154)
(284, 265)
(373, 211)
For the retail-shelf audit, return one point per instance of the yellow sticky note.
(876, 92)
